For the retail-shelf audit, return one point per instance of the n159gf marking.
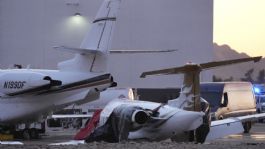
(14, 84)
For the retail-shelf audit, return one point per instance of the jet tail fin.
(93, 52)
(99, 37)
(189, 98)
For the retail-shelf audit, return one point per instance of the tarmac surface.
(254, 140)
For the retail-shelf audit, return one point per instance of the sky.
(241, 25)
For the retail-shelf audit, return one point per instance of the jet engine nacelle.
(15, 82)
(104, 87)
(132, 114)
(140, 117)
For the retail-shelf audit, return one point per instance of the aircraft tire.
(183, 137)
(221, 117)
(202, 132)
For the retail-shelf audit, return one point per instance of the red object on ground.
(92, 124)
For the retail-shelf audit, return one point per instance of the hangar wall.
(30, 28)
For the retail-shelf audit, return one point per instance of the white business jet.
(187, 116)
(28, 94)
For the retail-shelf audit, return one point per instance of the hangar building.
(30, 28)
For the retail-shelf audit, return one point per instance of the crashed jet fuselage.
(124, 119)
(189, 112)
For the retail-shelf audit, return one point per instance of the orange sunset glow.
(241, 25)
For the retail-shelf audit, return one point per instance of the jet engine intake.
(140, 117)
(123, 119)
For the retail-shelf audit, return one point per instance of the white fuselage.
(171, 120)
(24, 108)
(73, 82)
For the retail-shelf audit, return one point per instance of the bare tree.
(248, 76)
(216, 79)
(229, 79)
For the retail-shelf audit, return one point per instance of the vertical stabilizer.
(93, 53)
(189, 98)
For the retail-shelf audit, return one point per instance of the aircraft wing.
(229, 126)
(58, 88)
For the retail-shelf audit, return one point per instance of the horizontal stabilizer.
(229, 62)
(198, 67)
(94, 51)
(77, 50)
(141, 51)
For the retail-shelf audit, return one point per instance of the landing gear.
(183, 137)
(199, 135)
(27, 134)
(247, 126)
(202, 132)
(22, 133)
